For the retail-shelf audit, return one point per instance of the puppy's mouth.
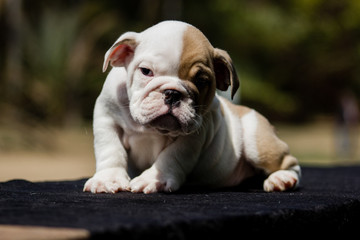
(168, 112)
(166, 123)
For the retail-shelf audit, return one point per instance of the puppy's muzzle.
(170, 122)
(172, 97)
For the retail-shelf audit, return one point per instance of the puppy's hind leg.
(267, 152)
(288, 177)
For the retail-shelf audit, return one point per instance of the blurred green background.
(298, 62)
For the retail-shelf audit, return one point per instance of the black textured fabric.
(327, 203)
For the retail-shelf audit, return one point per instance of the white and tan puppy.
(159, 120)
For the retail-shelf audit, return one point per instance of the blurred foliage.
(293, 57)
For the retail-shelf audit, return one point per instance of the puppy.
(159, 124)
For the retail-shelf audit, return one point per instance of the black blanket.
(327, 203)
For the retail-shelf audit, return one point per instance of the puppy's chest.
(143, 149)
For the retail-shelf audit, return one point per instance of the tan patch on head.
(196, 67)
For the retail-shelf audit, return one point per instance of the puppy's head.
(173, 72)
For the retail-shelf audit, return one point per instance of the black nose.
(172, 97)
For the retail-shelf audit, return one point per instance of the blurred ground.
(317, 143)
(54, 154)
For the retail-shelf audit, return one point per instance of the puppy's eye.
(147, 72)
(201, 81)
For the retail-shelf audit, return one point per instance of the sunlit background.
(298, 62)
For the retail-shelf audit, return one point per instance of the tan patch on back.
(273, 152)
(238, 110)
(197, 56)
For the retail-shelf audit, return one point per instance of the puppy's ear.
(122, 51)
(225, 72)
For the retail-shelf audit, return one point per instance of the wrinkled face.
(171, 76)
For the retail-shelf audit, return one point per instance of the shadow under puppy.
(158, 117)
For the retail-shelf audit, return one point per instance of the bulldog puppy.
(159, 124)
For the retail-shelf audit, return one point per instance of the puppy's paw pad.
(146, 186)
(108, 181)
(95, 185)
(147, 183)
(281, 180)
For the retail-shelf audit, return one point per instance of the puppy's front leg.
(170, 169)
(111, 158)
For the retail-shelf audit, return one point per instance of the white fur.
(249, 123)
(281, 180)
(235, 128)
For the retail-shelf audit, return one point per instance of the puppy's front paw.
(110, 180)
(151, 181)
(281, 180)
